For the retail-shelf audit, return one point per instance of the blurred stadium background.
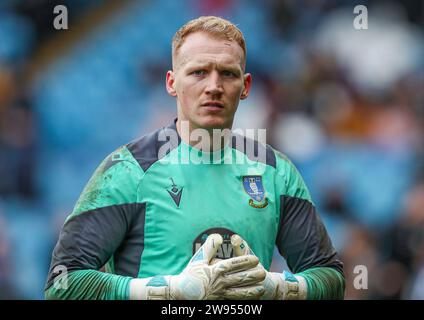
(346, 105)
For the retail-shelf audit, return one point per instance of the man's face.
(208, 81)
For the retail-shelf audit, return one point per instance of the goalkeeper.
(157, 212)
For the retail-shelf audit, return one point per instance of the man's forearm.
(90, 285)
(324, 283)
(97, 285)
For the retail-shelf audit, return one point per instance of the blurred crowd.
(345, 105)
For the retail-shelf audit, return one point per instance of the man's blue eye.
(199, 72)
(228, 73)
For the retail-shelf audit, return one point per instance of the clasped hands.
(239, 278)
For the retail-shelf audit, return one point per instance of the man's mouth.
(213, 104)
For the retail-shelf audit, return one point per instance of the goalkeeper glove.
(205, 278)
(277, 286)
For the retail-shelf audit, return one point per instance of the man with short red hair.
(193, 210)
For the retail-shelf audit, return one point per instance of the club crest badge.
(255, 189)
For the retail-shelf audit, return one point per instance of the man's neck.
(207, 140)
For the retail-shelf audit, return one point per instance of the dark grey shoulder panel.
(254, 150)
(148, 149)
(302, 238)
(110, 161)
(87, 241)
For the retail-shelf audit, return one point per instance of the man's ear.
(247, 85)
(170, 83)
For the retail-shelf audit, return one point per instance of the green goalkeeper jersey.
(152, 203)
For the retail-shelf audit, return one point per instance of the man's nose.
(214, 84)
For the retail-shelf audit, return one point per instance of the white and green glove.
(278, 286)
(206, 278)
